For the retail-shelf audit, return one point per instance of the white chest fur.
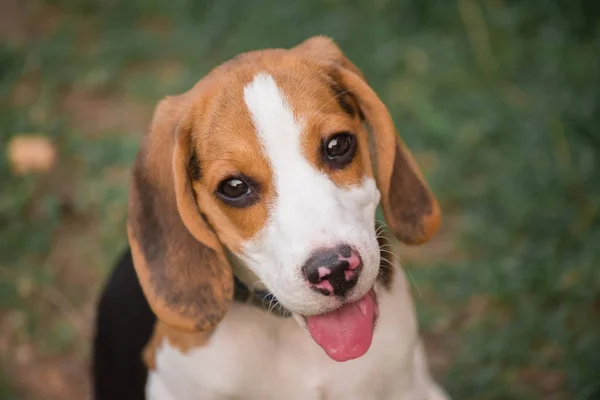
(253, 355)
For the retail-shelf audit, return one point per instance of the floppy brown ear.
(179, 261)
(410, 209)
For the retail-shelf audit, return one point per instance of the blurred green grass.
(497, 98)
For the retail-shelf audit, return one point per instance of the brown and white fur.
(264, 118)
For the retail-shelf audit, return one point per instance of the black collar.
(260, 298)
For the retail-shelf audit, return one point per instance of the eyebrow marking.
(337, 97)
(342, 96)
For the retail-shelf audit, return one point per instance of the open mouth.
(347, 332)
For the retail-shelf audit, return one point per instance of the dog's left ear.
(179, 260)
(410, 208)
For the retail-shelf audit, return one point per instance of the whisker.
(391, 264)
(412, 278)
(282, 310)
(327, 102)
(382, 223)
(404, 267)
(272, 304)
(382, 231)
(379, 231)
(256, 283)
(383, 236)
(392, 254)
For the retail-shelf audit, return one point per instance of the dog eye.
(238, 192)
(233, 188)
(338, 145)
(339, 150)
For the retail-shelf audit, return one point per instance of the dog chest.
(253, 355)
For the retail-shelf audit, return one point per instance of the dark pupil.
(235, 188)
(338, 146)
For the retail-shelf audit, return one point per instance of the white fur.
(310, 211)
(254, 355)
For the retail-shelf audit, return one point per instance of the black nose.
(333, 270)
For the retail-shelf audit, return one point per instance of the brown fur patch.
(183, 341)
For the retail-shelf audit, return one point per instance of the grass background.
(497, 98)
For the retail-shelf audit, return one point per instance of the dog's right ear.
(179, 260)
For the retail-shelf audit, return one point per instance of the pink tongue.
(345, 333)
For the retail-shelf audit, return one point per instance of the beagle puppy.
(256, 269)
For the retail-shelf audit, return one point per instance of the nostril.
(324, 272)
(317, 275)
(349, 275)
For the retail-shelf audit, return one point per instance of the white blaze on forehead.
(278, 130)
(309, 210)
(301, 190)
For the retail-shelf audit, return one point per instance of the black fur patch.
(124, 324)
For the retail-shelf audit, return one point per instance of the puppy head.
(268, 156)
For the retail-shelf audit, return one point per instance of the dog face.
(289, 181)
(269, 157)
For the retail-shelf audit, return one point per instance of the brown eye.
(233, 188)
(339, 150)
(338, 145)
(238, 191)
